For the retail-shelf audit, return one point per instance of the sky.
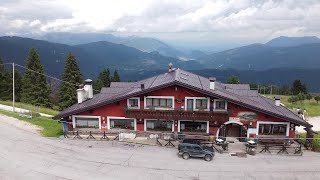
(180, 22)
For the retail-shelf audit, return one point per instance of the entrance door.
(233, 130)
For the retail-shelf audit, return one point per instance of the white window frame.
(80, 116)
(145, 124)
(194, 103)
(128, 105)
(194, 121)
(159, 97)
(219, 100)
(270, 122)
(117, 117)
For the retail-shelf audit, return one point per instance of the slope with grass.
(50, 128)
(27, 106)
(312, 107)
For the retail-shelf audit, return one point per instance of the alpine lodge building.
(179, 101)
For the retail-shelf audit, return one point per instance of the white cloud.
(168, 19)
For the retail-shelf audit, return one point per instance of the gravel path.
(26, 155)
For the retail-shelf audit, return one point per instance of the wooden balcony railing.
(177, 114)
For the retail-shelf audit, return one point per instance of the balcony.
(177, 114)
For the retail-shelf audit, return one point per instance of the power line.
(5, 64)
(48, 76)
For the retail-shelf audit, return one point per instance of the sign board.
(234, 119)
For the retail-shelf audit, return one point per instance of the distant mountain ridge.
(268, 56)
(279, 76)
(144, 44)
(91, 57)
(284, 41)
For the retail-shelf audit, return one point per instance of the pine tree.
(298, 87)
(116, 77)
(4, 79)
(6, 87)
(103, 80)
(72, 77)
(35, 89)
(233, 80)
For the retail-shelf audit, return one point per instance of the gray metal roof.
(235, 93)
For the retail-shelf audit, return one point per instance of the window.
(190, 104)
(220, 105)
(202, 104)
(122, 123)
(159, 102)
(190, 126)
(86, 122)
(158, 125)
(134, 103)
(273, 129)
(197, 103)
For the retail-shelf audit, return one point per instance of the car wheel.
(185, 156)
(207, 157)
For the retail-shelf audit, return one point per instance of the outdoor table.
(158, 142)
(104, 136)
(298, 150)
(250, 144)
(77, 136)
(169, 143)
(283, 149)
(265, 148)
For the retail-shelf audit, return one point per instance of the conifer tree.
(116, 77)
(6, 84)
(103, 80)
(35, 89)
(72, 77)
(3, 81)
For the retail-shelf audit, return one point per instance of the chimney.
(212, 82)
(277, 100)
(88, 88)
(170, 67)
(142, 86)
(80, 94)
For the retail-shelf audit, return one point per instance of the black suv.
(187, 150)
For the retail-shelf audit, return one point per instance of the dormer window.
(220, 105)
(133, 103)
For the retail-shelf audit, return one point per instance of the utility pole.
(13, 95)
(271, 91)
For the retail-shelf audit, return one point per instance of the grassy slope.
(50, 127)
(312, 107)
(23, 105)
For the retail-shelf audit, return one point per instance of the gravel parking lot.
(24, 154)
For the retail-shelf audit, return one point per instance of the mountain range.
(91, 57)
(298, 53)
(265, 62)
(278, 77)
(144, 44)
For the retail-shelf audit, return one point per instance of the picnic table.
(274, 142)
